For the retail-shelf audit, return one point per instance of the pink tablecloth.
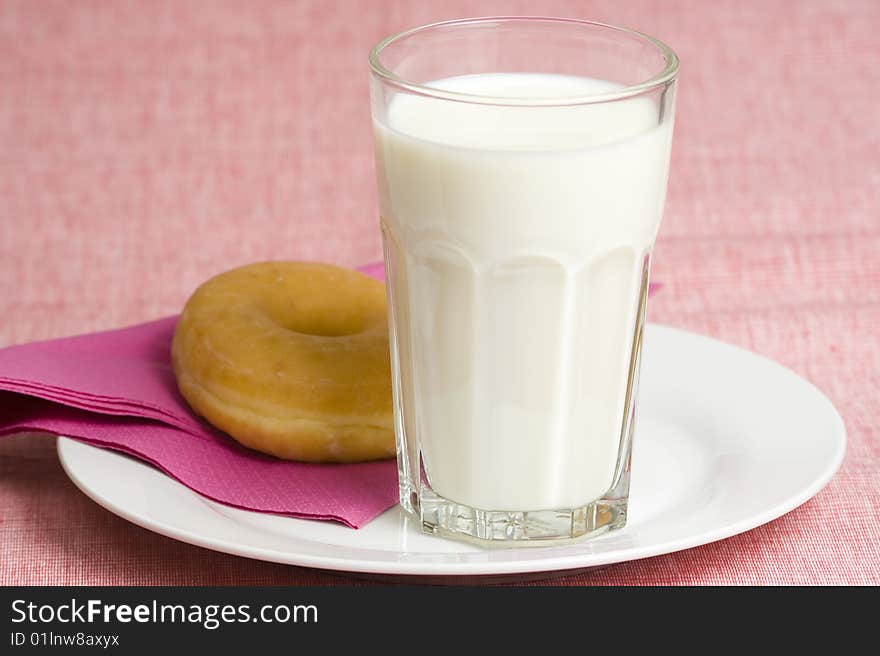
(147, 146)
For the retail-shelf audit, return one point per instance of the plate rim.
(556, 563)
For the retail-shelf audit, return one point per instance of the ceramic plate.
(726, 441)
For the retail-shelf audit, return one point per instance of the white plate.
(726, 441)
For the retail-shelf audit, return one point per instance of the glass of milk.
(522, 166)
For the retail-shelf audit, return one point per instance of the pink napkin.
(116, 390)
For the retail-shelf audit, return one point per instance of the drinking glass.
(522, 167)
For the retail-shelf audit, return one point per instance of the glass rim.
(668, 74)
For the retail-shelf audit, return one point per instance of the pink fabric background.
(149, 145)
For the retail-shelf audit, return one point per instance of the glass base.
(440, 516)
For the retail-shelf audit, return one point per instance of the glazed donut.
(290, 359)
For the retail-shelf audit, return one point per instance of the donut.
(290, 359)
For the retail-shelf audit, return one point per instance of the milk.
(517, 244)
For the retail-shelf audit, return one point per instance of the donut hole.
(318, 300)
(325, 326)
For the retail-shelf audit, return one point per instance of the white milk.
(517, 239)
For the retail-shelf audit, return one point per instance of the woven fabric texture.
(149, 145)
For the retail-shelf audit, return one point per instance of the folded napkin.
(116, 389)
